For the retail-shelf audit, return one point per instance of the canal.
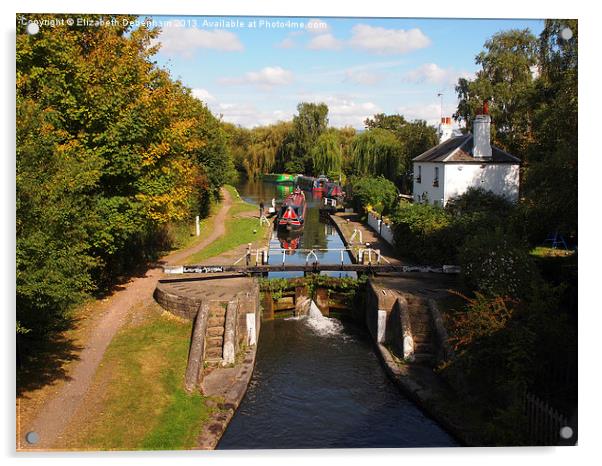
(318, 383)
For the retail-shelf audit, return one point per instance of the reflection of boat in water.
(292, 211)
(289, 239)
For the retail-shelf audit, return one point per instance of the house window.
(436, 179)
(419, 177)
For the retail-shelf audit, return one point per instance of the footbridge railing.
(261, 256)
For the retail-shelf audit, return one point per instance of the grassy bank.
(242, 227)
(137, 400)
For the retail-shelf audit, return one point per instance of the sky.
(255, 70)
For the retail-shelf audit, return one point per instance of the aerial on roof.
(460, 149)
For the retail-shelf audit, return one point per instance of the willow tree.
(326, 155)
(264, 146)
(378, 152)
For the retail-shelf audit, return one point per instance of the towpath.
(55, 414)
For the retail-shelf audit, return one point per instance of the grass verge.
(240, 229)
(137, 400)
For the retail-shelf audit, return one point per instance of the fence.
(385, 231)
(543, 421)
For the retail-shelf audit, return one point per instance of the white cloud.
(344, 110)
(248, 115)
(387, 41)
(324, 42)
(317, 26)
(203, 94)
(186, 41)
(363, 77)
(430, 112)
(265, 78)
(287, 43)
(433, 74)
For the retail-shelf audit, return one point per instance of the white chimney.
(445, 129)
(482, 134)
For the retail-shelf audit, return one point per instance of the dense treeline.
(308, 145)
(110, 151)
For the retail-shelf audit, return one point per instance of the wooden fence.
(544, 422)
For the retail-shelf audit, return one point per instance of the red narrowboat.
(292, 211)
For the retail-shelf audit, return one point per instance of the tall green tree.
(378, 152)
(326, 155)
(506, 78)
(550, 177)
(309, 123)
(415, 138)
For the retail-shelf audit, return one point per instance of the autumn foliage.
(110, 150)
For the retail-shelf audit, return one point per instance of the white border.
(590, 233)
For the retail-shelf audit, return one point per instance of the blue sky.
(254, 71)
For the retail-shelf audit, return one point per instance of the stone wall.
(182, 306)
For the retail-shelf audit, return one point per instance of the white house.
(459, 162)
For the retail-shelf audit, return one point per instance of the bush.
(497, 264)
(377, 192)
(478, 200)
(421, 233)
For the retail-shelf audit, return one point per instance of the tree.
(110, 150)
(415, 138)
(310, 122)
(550, 178)
(378, 152)
(507, 79)
(326, 155)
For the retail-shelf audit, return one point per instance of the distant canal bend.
(319, 384)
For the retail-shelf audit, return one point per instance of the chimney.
(482, 134)
(445, 129)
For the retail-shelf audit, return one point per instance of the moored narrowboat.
(292, 211)
(278, 178)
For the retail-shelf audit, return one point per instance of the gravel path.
(55, 415)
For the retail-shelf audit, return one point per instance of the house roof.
(459, 149)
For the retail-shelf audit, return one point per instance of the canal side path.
(56, 405)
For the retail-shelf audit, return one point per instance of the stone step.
(217, 312)
(217, 308)
(421, 340)
(425, 358)
(216, 321)
(423, 349)
(421, 327)
(215, 331)
(214, 341)
(214, 352)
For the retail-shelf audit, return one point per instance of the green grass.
(239, 230)
(143, 404)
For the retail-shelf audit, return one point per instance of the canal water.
(317, 233)
(318, 383)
